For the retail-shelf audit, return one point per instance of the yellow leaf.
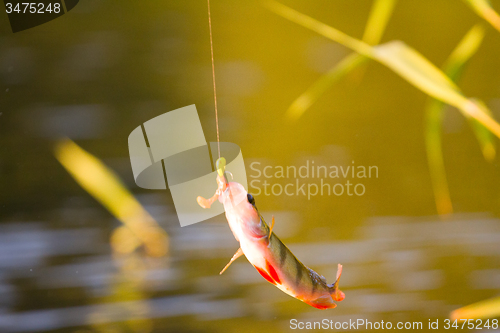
(403, 60)
(489, 308)
(379, 16)
(453, 67)
(105, 186)
(484, 9)
(380, 13)
(417, 70)
(312, 94)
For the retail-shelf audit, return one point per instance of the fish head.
(241, 213)
(234, 198)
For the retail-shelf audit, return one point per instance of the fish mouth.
(225, 195)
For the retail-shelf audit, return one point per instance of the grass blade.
(417, 70)
(489, 308)
(379, 16)
(400, 58)
(465, 49)
(434, 118)
(314, 92)
(484, 137)
(453, 67)
(319, 27)
(105, 186)
(484, 9)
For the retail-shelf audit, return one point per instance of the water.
(394, 268)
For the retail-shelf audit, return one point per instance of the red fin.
(264, 274)
(322, 303)
(273, 273)
(338, 296)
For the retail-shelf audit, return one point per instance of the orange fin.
(273, 273)
(337, 295)
(270, 233)
(265, 275)
(323, 302)
(272, 226)
(238, 254)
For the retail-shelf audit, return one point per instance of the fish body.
(272, 259)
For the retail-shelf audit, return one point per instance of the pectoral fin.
(270, 232)
(236, 256)
(272, 226)
(323, 302)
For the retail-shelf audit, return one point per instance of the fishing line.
(213, 77)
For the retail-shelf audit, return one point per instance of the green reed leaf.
(484, 136)
(465, 49)
(400, 58)
(318, 88)
(484, 9)
(417, 70)
(433, 120)
(453, 67)
(380, 14)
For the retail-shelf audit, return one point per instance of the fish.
(265, 251)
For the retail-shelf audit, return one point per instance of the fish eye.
(250, 199)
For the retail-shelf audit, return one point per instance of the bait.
(265, 251)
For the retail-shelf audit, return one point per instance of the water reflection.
(409, 260)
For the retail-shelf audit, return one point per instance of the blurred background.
(72, 261)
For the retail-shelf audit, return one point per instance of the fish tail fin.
(336, 293)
